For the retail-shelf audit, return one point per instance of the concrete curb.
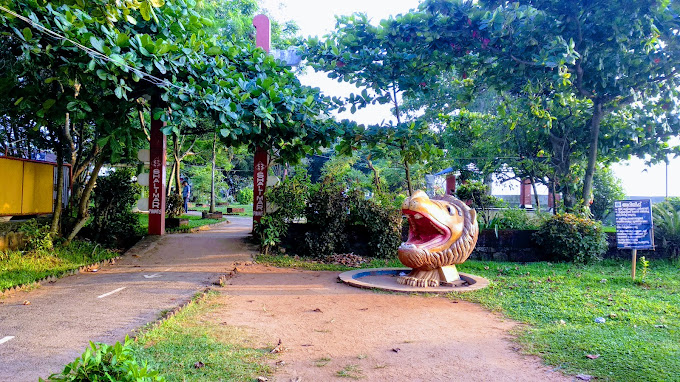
(382, 278)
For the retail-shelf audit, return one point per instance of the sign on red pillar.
(262, 39)
(260, 183)
(157, 176)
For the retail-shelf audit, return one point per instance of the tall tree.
(619, 57)
(386, 69)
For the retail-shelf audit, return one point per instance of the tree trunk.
(83, 214)
(56, 215)
(538, 202)
(212, 175)
(176, 154)
(376, 177)
(592, 154)
(168, 190)
(408, 177)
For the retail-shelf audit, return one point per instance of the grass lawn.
(176, 346)
(194, 222)
(17, 268)
(248, 208)
(639, 340)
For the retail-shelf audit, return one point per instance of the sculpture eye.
(448, 208)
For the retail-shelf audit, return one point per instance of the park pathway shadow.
(158, 274)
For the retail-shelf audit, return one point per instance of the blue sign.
(634, 227)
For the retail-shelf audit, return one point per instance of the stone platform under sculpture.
(442, 233)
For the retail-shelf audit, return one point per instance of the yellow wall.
(34, 180)
(12, 179)
(38, 188)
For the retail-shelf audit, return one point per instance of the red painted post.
(262, 32)
(259, 183)
(525, 194)
(553, 199)
(262, 39)
(451, 185)
(157, 148)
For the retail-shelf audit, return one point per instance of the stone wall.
(11, 241)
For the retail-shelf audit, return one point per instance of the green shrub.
(382, 225)
(516, 218)
(114, 197)
(290, 196)
(102, 362)
(568, 237)
(37, 237)
(326, 213)
(245, 196)
(269, 232)
(667, 225)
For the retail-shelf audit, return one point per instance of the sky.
(317, 18)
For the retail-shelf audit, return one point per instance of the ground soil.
(325, 328)
(329, 330)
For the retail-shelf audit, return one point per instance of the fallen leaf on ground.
(199, 365)
(593, 356)
(584, 377)
(396, 350)
(262, 379)
(26, 302)
(317, 310)
(281, 363)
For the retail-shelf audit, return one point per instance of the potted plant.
(174, 209)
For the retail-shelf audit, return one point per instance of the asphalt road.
(158, 274)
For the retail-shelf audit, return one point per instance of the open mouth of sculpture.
(424, 232)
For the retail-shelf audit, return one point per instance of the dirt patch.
(330, 330)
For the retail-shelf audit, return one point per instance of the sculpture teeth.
(408, 246)
(418, 216)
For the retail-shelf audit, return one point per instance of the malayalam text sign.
(634, 227)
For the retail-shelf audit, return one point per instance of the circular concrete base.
(386, 279)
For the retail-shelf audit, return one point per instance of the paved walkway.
(158, 274)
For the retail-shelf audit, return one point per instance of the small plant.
(245, 196)
(102, 362)
(174, 205)
(321, 362)
(568, 237)
(350, 371)
(645, 266)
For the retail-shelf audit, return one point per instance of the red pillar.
(262, 39)
(158, 146)
(259, 183)
(525, 194)
(552, 199)
(451, 185)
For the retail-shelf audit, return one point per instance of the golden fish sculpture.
(442, 233)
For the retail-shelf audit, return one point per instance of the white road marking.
(155, 274)
(112, 292)
(5, 339)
